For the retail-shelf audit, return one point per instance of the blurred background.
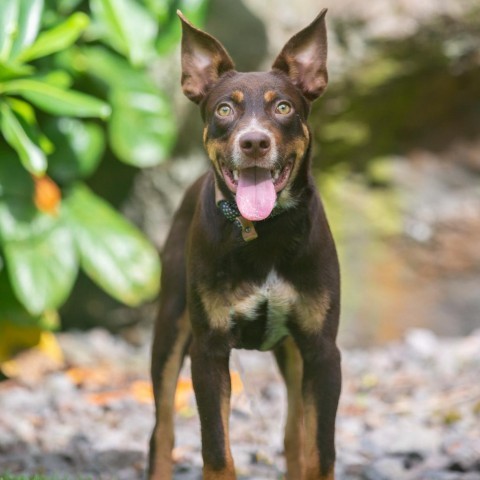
(97, 146)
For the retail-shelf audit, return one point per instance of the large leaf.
(31, 155)
(26, 114)
(194, 10)
(78, 148)
(8, 72)
(40, 256)
(9, 11)
(142, 131)
(57, 38)
(11, 310)
(109, 69)
(55, 100)
(19, 25)
(112, 251)
(15, 181)
(127, 26)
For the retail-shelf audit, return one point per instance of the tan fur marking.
(245, 298)
(217, 308)
(205, 130)
(228, 473)
(225, 474)
(269, 96)
(164, 435)
(312, 312)
(294, 428)
(212, 146)
(311, 448)
(237, 96)
(306, 132)
(299, 146)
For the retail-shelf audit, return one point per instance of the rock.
(405, 436)
(388, 468)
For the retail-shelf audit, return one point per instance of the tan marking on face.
(205, 131)
(312, 311)
(212, 147)
(269, 96)
(306, 132)
(237, 96)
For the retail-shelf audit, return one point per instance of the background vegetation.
(76, 88)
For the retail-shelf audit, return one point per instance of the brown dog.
(250, 261)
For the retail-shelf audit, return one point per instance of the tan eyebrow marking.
(237, 96)
(269, 95)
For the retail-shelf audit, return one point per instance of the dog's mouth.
(256, 188)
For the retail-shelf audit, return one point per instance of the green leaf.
(78, 148)
(31, 156)
(9, 11)
(27, 117)
(141, 131)
(170, 33)
(127, 26)
(112, 251)
(57, 101)
(11, 310)
(29, 14)
(8, 72)
(57, 38)
(111, 69)
(154, 132)
(40, 255)
(14, 179)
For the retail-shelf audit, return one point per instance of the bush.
(75, 81)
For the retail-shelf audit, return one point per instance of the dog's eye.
(224, 110)
(283, 108)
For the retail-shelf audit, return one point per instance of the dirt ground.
(409, 410)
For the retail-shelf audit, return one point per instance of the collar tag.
(230, 211)
(248, 229)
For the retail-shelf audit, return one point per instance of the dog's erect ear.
(304, 58)
(204, 61)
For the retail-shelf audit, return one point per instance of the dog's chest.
(259, 313)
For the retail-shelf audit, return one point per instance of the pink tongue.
(255, 193)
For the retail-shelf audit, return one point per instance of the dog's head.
(255, 123)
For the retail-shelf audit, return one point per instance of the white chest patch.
(280, 297)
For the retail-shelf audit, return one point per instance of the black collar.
(230, 211)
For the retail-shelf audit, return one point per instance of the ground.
(409, 411)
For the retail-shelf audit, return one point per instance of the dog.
(250, 261)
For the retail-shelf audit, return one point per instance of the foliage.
(417, 91)
(75, 82)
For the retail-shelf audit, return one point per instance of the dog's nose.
(255, 144)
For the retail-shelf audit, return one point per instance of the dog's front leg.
(211, 381)
(321, 391)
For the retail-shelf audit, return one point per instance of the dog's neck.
(230, 211)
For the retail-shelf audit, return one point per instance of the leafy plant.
(75, 82)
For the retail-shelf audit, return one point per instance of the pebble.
(402, 415)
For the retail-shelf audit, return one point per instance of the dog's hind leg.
(290, 364)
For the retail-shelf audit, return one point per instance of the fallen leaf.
(104, 398)
(142, 391)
